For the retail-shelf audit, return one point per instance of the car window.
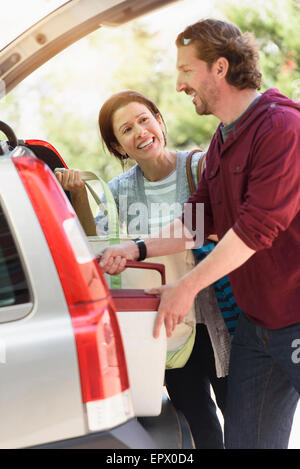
(13, 286)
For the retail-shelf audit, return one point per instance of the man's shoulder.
(285, 117)
(281, 110)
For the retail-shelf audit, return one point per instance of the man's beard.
(202, 107)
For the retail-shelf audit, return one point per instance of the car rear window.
(13, 286)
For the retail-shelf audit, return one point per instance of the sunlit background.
(60, 102)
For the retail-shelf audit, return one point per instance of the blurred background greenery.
(60, 101)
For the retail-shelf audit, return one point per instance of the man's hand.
(175, 302)
(177, 298)
(113, 259)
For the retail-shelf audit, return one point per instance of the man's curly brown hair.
(214, 39)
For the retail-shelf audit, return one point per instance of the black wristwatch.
(142, 248)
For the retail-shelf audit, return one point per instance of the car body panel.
(42, 400)
(40, 372)
(136, 432)
(135, 311)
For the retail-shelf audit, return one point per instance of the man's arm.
(173, 238)
(177, 298)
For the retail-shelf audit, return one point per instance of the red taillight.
(98, 338)
(101, 357)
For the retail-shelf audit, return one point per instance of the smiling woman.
(114, 122)
(132, 127)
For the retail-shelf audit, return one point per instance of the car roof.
(61, 28)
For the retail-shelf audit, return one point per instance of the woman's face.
(138, 132)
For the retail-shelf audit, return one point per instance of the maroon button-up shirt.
(251, 183)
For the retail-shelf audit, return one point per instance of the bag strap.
(189, 169)
(110, 211)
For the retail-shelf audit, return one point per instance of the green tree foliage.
(275, 25)
(77, 140)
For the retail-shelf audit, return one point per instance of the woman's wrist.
(133, 250)
(79, 194)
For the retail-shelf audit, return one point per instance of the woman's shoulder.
(194, 165)
(197, 156)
